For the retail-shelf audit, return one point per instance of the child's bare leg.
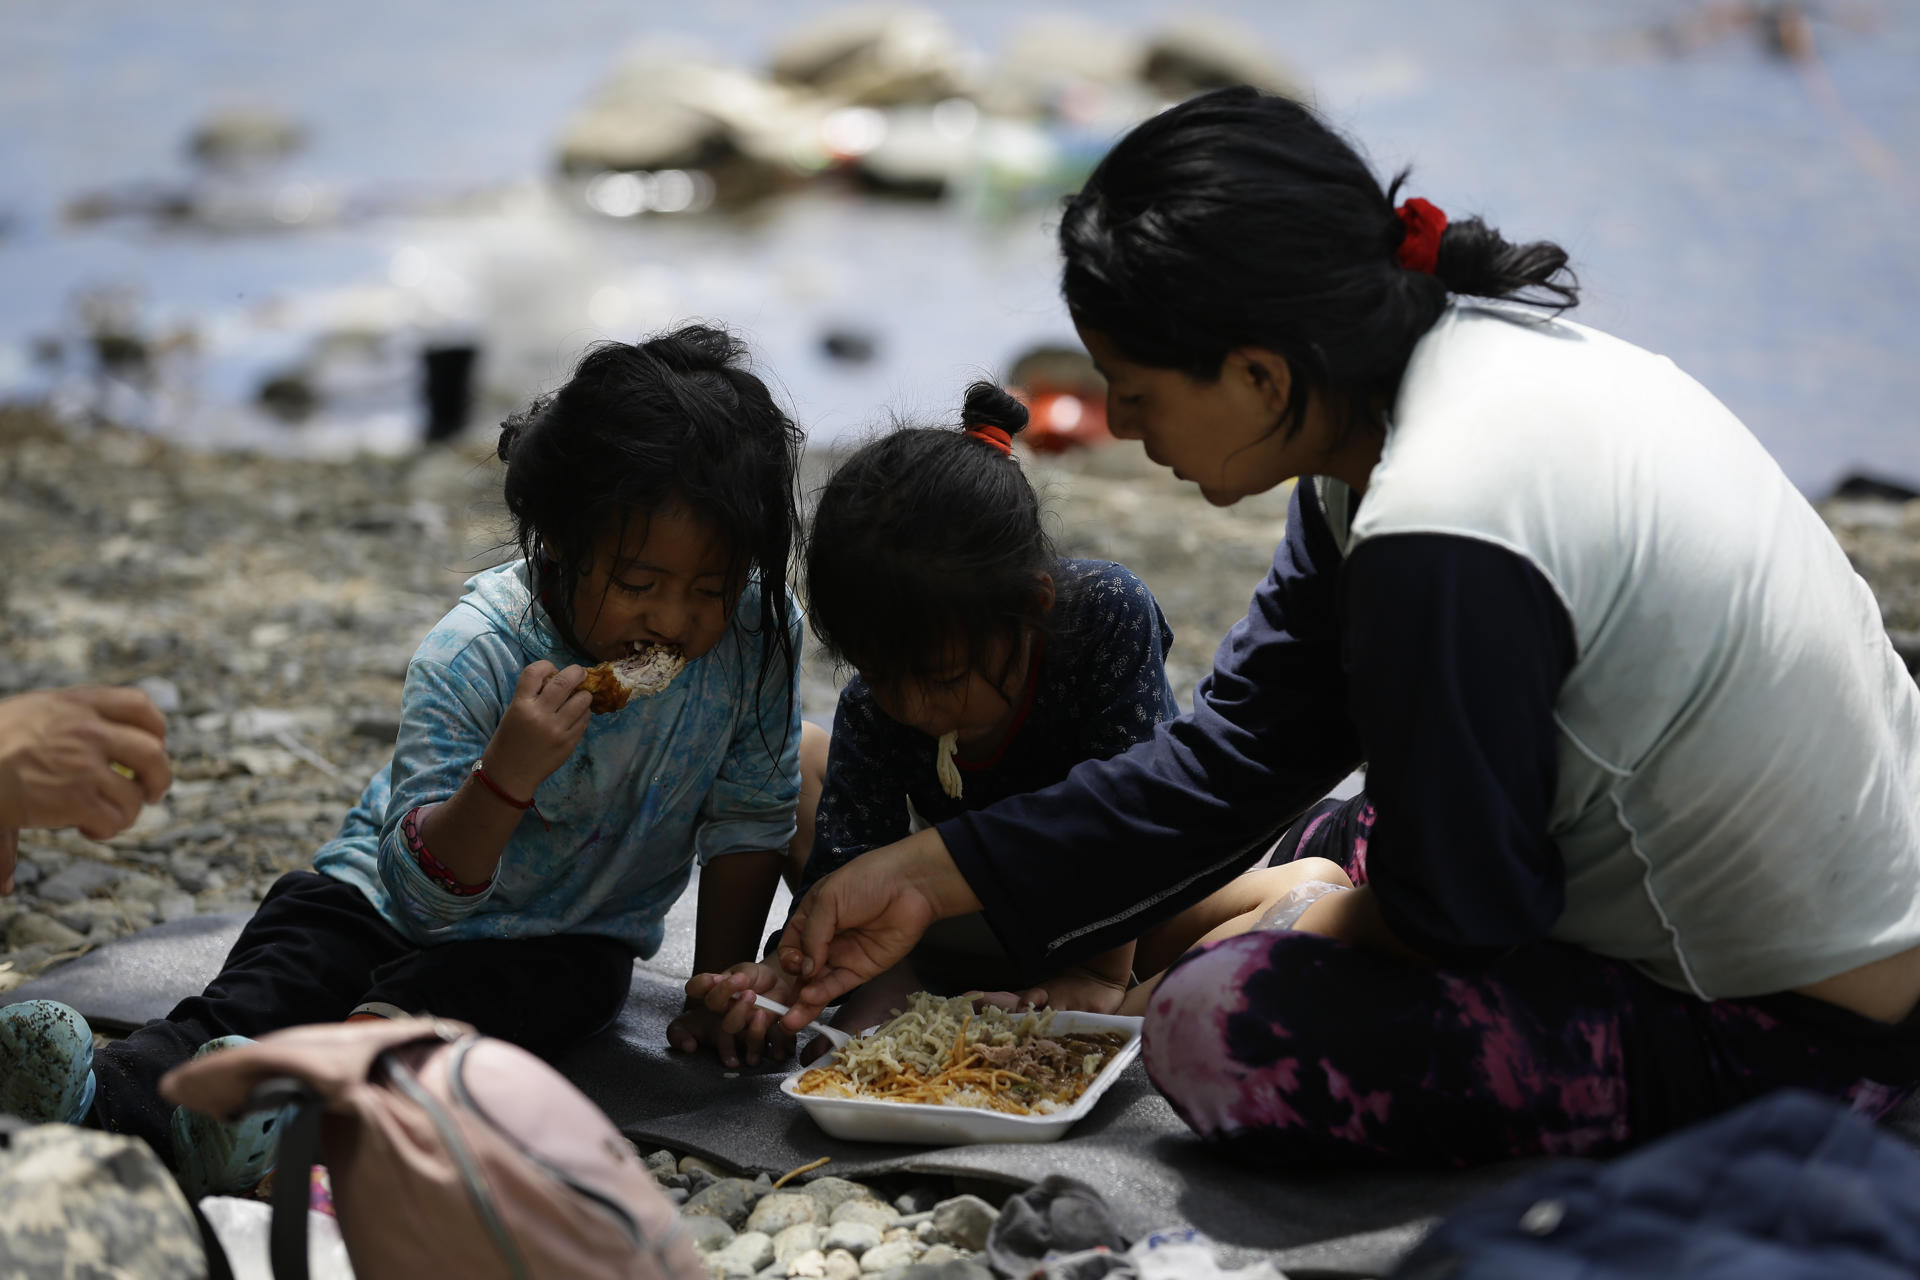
(813, 775)
(1236, 908)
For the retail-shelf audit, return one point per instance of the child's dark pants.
(316, 949)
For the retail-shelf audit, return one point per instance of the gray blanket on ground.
(1133, 1148)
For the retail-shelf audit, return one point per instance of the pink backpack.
(449, 1153)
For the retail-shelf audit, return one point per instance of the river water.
(1748, 215)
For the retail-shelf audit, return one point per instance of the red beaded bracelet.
(480, 772)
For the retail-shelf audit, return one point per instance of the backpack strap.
(292, 1171)
(218, 1266)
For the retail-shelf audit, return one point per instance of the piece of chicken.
(650, 669)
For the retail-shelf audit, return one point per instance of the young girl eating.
(521, 851)
(986, 666)
(1641, 836)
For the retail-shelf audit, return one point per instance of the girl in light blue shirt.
(520, 852)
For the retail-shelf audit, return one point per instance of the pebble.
(706, 1231)
(694, 1164)
(743, 1255)
(854, 1237)
(841, 1265)
(779, 1210)
(81, 878)
(33, 929)
(662, 1165)
(811, 1263)
(964, 1221)
(729, 1199)
(796, 1240)
(884, 1257)
(831, 1192)
(872, 1212)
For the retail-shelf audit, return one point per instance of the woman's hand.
(720, 1013)
(866, 917)
(86, 757)
(543, 724)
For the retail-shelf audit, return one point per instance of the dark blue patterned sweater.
(1101, 687)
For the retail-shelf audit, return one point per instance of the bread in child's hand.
(649, 669)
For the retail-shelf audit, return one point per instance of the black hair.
(1241, 219)
(927, 540)
(674, 420)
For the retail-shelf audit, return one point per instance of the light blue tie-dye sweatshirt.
(707, 768)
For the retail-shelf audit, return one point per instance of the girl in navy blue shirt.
(986, 667)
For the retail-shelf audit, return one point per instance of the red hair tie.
(995, 436)
(1420, 249)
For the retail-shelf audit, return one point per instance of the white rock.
(841, 1265)
(798, 1239)
(746, 1254)
(854, 1237)
(885, 1257)
(871, 1212)
(812, 1263)
(33, 928)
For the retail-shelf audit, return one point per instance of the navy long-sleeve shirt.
(1433, 658)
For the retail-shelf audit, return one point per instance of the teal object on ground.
(46, 1062)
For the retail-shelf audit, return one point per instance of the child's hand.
(1077, 989)
(720, 1012)
(543, 724)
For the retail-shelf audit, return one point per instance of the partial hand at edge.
(865, 918)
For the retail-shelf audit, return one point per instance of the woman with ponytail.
(1640, 837)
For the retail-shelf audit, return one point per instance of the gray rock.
(707, 1232)
(194, 833)
(26, 874)
(854, 1237)
(139, 886)
(164, 692)
(744, 1255)
(81, 878)
(175, 906)
(871, 1212)
(192, 872)
(945, 1269)
(780, 1210)
(964, 1222)
(885, 1257)
(831, 1193)
(793, 1241)
(841, 1265)
(662, 1165)
(729, 1199)
(34, 929)
(692, 1164)
(678, 1195)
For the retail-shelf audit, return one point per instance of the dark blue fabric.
(1791, 1187)
(1456, 651)
(1101, 687)
(1436, 658)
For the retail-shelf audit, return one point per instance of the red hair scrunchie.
(1420, 249)
(997, 437)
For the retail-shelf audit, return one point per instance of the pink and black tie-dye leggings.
(1298, 1049)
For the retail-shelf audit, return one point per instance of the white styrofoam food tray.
(873, 1120)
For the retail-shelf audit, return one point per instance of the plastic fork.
(835, 1036)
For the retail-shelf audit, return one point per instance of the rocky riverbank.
(270, 606)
